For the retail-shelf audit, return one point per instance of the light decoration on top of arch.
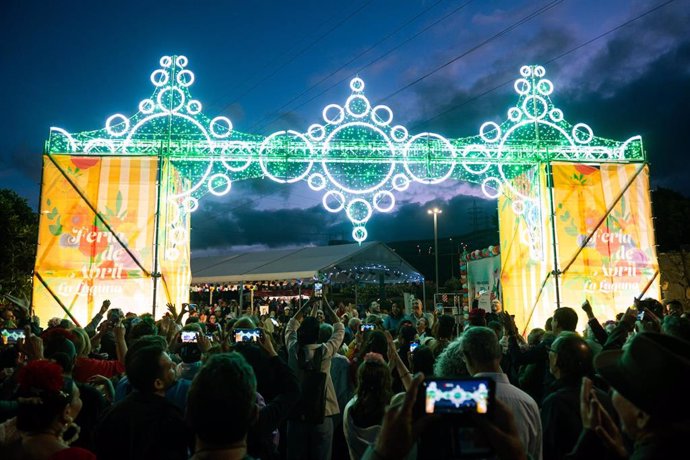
(357, 158)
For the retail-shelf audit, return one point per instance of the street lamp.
(435, 212)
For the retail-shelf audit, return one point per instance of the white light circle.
(359, 234)
(556, 115)
(181, 61)
(326, 146)
(522, 86)
(491, 187)
(579, 128)
(185, 78)
(333, 195)
(117, 125)
(194, 107)
(349, 105)
(262, 156)
(166, 61)
(538, 111)
(451, 149)
(545, 87)
(316, 182)
(381, 196)
(147, 106)
(218, 121)
(525, 71)
(159, 78)
(401, 182)
(316, 132)
(165, 91)
(190, 204)
(172, 253)
(382, 119)
(334, 120)
(518, 207)
(357, 84)
(354, 219)
(399, 133)
(514, 114)
(492, 128)
(539, 71)
(214, 190)
(178, 235)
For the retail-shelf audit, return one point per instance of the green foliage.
(19, 234)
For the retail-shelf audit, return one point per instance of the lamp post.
(435, 212)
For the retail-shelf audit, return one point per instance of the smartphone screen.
(413, 346)
(640, 316)
(209, 337)
(246, 335)
(458, 396)
(11, 336)
(366, 327)
(189, 337)
(318, 290)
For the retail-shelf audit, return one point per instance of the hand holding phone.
(241, 335)
(364, 327)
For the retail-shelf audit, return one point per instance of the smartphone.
(275, 322)
(247, 335)
(318, 289)
(189, 337)
(192, 307)
(459, 396)
(640, 316)
(414, 345)
(366, 327)
(11, 336)
(209, 337)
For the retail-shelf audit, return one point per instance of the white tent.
(371, 262)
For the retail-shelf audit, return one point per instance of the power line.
(505, 31)
(300, 53)
(404, 42)
(571, 50)
(362, 53)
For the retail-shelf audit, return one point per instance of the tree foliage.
(18, 239)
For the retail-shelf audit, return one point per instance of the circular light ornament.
(333, 118)
(185, 78)
(316, 132)
(384, 201)
(556, 115)
(522, 86)
(514, 114)
(223, 124)
(359, 234)
(181, 61)
(545, 87)
(159, 77)
(174, 101)
(357, 84)
(429, 158)
(539, 71)
(490, 132)
(582, 133)
(190, 204)
(401, 182)
(278, 153)
(219, 184)
(172, 253)
(525, 71)
(357, 106)
(117, 125)
(331, 198)
(147, 106)
(491, 187)
(194, 107)
(166, 61)
(382, 115)
(535, 107)
(358, 211)
(316, 182)
(399, 133)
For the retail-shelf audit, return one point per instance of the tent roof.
(339, 263)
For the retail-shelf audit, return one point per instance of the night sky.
(271, 65)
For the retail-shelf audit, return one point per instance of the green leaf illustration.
(56, 228)
(118, 203)
(53, 214)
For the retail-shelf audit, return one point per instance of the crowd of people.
(313, 380)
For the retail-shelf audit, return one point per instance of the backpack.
(311, 407)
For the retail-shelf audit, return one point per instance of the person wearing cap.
(649, 393)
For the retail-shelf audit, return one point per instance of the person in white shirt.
(482, 355)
